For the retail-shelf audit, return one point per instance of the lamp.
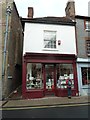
(59, 42)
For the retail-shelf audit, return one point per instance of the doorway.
(49, 78)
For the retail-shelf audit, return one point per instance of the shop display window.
(63, 72)
(34, 76)
(85, 75)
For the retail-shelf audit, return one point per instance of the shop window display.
(63, 72)
(85, 75)
(34, 76)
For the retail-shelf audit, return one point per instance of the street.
(74, 111)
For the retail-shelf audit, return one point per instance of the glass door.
(49, 77)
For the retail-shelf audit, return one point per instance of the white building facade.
(34, 38)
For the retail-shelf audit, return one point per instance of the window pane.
(34, 76)
(49, 39)
(63, 72)
(88, 47)
(85, 75)
(88, 25)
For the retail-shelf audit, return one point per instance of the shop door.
(49, 78)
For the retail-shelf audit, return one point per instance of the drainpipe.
(8, 12)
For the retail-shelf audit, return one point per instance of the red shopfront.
(46, 74)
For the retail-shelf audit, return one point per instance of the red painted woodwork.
(34, 94)
(63, 92)
(75, 77)
(45, 59)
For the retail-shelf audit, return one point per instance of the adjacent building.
(83, 47)
(83, 57)
(10, 48)
(49, 56)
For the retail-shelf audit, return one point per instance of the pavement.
(16, 100)
(45, 101)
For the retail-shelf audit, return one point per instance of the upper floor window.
(50, 39)
(87, 25)
(88, 47)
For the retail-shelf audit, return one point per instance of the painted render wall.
(81, 34)
(33, 38)
(82, 58)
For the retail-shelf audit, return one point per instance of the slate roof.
(49, 20)
(82, 17)
(56, 19)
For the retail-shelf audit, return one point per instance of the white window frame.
(47, 33)
(87, 25)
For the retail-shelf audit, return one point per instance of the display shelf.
(49, 83)
(62, 81)
(33, 84)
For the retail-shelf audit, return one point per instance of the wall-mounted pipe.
(8, 12)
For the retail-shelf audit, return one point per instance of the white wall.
(33, 38)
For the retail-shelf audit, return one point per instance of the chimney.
(70, 9)
(30, 12)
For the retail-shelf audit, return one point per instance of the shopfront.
(83, 72)
(46, 74)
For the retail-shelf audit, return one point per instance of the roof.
(49, 20)
(16, 8)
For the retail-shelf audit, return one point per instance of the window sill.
(87, 30)
(49, 49)
(32, 90)
(86, 86)
(88, 54)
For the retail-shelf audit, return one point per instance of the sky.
(44, 8)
